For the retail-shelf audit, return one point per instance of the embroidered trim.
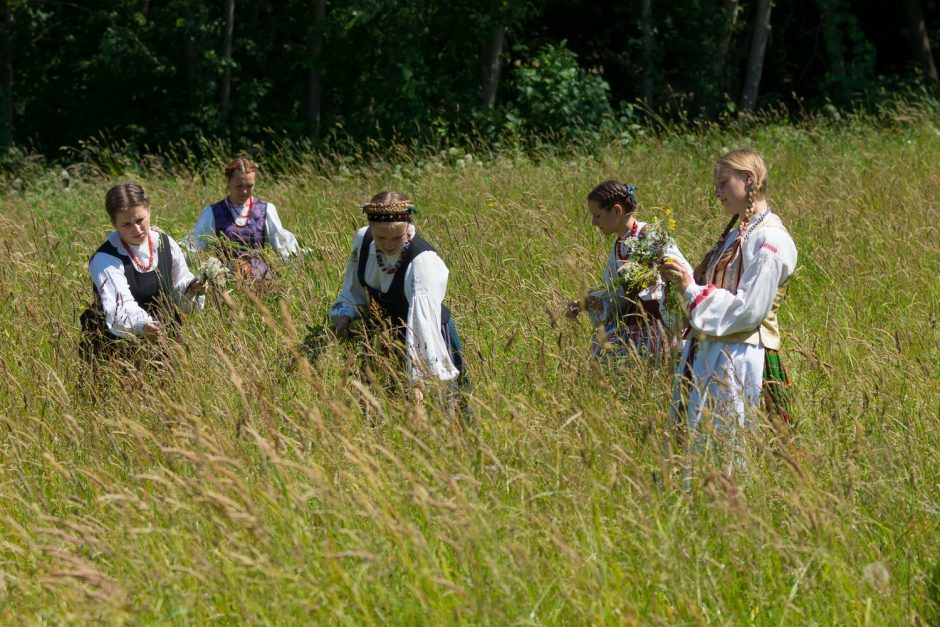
(701, 296)
(769, 247)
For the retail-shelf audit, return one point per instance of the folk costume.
(731, 357)
(249, 227)
(406, 293)
(632, 321)
(135, 285)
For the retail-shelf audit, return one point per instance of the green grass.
(238, 488)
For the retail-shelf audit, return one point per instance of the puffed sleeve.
(203, 233)
(352, 293)
(769, 258)
(281, 240)
(425, 288)
(182, 277)
(123, 316)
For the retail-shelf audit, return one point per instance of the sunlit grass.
(241, 486)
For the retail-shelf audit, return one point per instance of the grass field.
(242, 488)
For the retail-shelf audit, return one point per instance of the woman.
(396, 280)
(139, 276)
(732, 306)
(248, 223)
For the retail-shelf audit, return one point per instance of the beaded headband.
(399, 211)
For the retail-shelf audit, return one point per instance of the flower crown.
(398, 211)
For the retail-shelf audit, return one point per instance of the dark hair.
(124, 196)
(243, 165)
(610, 193)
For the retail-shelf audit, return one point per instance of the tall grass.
(241, 485)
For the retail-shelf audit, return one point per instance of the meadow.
(245, 486)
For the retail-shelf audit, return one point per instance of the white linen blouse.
(425, 288)
(123, 316)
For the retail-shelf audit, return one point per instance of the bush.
(554, 96)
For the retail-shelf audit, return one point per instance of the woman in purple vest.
(139, 275)
(397, 279)
(248, 222)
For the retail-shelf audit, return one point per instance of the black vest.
(147, 288)
(393, 304)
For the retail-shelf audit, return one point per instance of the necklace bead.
(380, 259)
(621, 255)
(134, 260)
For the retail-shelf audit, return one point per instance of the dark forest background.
(152, 73)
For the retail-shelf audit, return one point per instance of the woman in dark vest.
(247, 222)
(139, 275)
(394, 275)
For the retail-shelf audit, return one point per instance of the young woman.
(630, 321)
(247, 222)
(732, 303)
(396, 280)
(139, 275)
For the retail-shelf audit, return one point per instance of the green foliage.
(150, 72)
(553, 95)
(241, 486)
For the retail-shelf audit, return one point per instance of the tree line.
(156, 72)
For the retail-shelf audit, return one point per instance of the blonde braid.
(749, 212)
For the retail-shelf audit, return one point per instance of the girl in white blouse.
(247, 222)
(393, 274)
(139, 275)
(731, 360)
(628, 321)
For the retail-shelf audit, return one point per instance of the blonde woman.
(732, 302)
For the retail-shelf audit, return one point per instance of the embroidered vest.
(248, 237)
(393, 304)
(725, 272)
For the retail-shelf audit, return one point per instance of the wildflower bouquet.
(644, 254)
(213, 272)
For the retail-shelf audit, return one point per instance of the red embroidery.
(769, 247)
(701, 296)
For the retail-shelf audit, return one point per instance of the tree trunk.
(6, 97)
(729, 12)
(227, 58)
(646, 30)
(492, 65)
(314, 87)
(191, 49)
(755, 64)
(920, 42)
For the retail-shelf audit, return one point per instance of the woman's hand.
(594, 304)
(151, 329)
(672, 270)
(341, 326)
(197, 287)
(574, 308)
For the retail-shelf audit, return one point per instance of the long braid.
(749, 212)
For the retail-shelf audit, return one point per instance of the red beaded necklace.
(242, 220)
(130, 253)
(623, 256)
